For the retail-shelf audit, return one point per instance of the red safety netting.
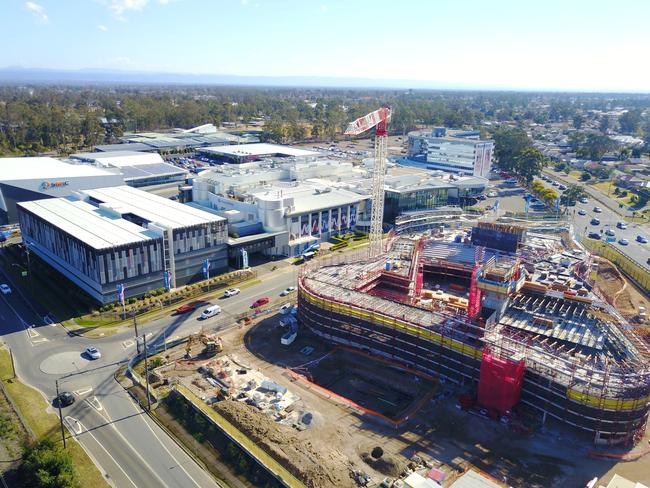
(500, 383)
(474, 305)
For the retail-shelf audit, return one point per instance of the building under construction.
(505, 312)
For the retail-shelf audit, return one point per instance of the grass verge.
(32, 406)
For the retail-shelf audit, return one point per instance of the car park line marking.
(74, 425)
(109, 454)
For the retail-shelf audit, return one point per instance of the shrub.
(47, 465)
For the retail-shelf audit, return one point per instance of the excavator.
(212, 344)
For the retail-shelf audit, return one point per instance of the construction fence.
(634, 270)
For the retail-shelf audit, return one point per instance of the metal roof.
(45, 168)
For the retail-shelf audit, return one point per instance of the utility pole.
(135, 324)
(146, 370)
(58, 404)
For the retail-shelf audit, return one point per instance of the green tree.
(509, 143)
(585, 176)
(578, 121)
(595, 147)
(572, 194)
(529, 163)
(630, 121)
(46, 465)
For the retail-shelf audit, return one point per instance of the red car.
(187, 308)
(259, 302)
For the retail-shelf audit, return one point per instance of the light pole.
(135, 325)
(146, 369)
(58, 404)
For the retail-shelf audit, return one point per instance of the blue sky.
(543, 44)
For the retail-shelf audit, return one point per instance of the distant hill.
(13, 75)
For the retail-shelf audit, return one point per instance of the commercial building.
(460, 152)
(103, 237)
(140, 169)
(521, 331)
(26, 179)
(246, 153)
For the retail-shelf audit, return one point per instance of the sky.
(571, 45)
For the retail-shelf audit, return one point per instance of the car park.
(93, 353)
(623, 242)
(594, 235)
(641, 239)
(65, 399)
(259, 302)
(231, 292)
(595, 221)
(4, 288)
(288, 290)
(598, 209)
(582, 212)
(621, 225)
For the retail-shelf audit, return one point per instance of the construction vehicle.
(212, 344)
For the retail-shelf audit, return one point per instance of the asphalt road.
(129, 448)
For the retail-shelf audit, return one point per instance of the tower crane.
(379, 119)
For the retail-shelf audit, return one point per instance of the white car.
(584, 200)
(4, 288)
(286, 308)
(285, 292)
(598, 209)
(93, 353)
(231, 292)
(492, 194)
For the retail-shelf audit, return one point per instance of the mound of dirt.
(318, 466)
(386, 464)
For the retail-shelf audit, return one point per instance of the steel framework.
(379, 119)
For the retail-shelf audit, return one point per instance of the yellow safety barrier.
(636, 271)
(465, 349)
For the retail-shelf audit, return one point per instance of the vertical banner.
(304, 225)
(315, 227)
(325, 221)
(120, 293)
(244, 258)
(206, 269)
(353, 216)
(166, 279)
(344, 218)
(335, 220)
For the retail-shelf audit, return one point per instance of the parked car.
(582, 212)
(610, 232)
(623, 242)
(65, 399)
(286, 291)
(4, 288)
(562, 187)
(211, 311)
(621, 225)
(598, 210)
(259, 302)
(594, 235)
(642, 239)
(286, 308)
(584, 200)
(555, 183)
(93, 353)
(231, 292)
(492, 194)
(595, 221)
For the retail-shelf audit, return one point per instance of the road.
(128, 447)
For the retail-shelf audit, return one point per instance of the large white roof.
(12, 169)
(120, 159)
(262, 149)
(102, 228)
(310, 198)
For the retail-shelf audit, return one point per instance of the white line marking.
(95, 403)
(83, 391)
(109, 454)
(162, 444)
(74, 425)
(128, 343)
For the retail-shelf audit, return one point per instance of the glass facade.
(423, 199)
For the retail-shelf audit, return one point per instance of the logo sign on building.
(53, 185)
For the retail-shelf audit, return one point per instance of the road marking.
(109, 454)
(95, 403)
(73, 424)
(128, 343)
(32, 333)
(83, 391)
(135, 451)
(180, 465)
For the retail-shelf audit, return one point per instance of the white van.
(211, 311)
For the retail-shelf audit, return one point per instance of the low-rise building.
(26, 179)
(458, 152)
(105, 237)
